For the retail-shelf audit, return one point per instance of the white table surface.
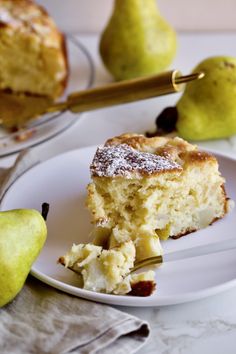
(206, 326)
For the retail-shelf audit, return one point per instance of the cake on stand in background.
(33, 61)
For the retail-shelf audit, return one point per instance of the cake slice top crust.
(124, 161)
(174, 149)
(153, 145)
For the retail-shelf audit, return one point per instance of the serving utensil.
(124, 92)
(192, 252)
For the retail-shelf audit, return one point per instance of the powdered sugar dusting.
(122, 160)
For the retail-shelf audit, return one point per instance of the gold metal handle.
(125, 92)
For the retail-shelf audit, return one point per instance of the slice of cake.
(108, 270)
(33, 62)
(143, 190)
(146, 189)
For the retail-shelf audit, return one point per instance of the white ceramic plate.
(62, 181)
(81, 76)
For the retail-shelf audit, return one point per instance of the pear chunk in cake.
(108, 271)
(146, 189)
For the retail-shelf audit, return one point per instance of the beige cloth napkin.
(42, 319)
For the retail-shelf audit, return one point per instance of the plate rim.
(120, 300)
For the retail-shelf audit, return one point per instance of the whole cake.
(33, 61)
(143, 190)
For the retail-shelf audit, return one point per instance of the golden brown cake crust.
(143, 288)
(172, 148)
(26, 18)
(65, 55)
(137, 141)
(41, 71)
(30, 18)
(197, 157)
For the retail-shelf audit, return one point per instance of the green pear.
(137, 40)
(22, 236)
(207, 108)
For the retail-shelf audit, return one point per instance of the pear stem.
(45, 210)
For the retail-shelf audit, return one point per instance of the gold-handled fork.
(192, 252)
(209, 248)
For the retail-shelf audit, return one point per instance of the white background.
(92, 15)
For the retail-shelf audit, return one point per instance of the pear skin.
(207, 108)
(137, 40)
(22, 236)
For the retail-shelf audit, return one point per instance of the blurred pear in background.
(137, 40)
